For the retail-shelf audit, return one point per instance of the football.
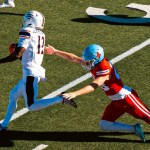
(12, 47)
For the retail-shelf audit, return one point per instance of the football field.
(69, 28)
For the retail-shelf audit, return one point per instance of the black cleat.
(69, 102)
(2, 128)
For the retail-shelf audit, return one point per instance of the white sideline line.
(84, 77)
(40, 147)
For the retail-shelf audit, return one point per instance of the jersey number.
(41, 43)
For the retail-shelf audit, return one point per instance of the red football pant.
(131, 105)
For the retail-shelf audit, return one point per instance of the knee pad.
(12, 97)
(30, 108)
(105, 125)
(33, 107)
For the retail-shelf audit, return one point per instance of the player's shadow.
(90, 19)
(6, 138)
(13, 14)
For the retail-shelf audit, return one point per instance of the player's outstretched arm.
(15, 53)
(87, 89)
(68, 56)
(9, 58)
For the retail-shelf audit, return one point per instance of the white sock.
(115, 126)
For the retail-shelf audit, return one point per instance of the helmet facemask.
(88, 65)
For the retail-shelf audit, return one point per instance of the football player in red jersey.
(123, 99)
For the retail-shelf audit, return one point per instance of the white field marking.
(40, 147)
(100, 13)
(84, 77)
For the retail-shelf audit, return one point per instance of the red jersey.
(114, 88)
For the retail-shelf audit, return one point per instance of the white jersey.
(33, 41)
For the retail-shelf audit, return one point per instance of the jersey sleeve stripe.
(24, 34)
(102, 72)
(26, 37)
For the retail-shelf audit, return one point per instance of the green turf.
(69, 28)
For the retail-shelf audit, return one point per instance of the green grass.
(69, 28)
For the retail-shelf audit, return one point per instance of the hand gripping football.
(12, 47)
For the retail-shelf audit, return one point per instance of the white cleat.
(8, 5)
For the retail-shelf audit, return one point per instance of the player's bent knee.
(33, 107)
(105, 125)
(30, 108)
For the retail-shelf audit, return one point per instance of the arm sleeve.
(24, 38)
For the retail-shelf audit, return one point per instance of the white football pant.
(28, 88)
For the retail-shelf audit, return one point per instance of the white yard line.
(40, 147)
(84, 77)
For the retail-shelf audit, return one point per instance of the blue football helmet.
(92, 55)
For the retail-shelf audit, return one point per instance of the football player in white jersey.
(123, 99)
(30, 49)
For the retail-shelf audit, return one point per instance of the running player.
(30, 49)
